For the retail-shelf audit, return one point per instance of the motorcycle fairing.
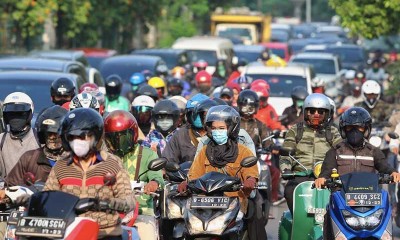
(214, 182)
(179, 176)
(360, 182)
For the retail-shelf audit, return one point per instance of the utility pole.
(308, 11)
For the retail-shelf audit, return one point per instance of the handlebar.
(337, 183)
(140, 192)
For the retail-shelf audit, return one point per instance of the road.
(273, 224)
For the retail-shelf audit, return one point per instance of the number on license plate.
(42, 227)
(209, 202)
(363, 199)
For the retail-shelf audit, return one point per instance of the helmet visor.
(120, 142)
(17, 107)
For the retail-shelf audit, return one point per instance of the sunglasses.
(314, 110)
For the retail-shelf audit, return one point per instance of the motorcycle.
(377, 136)
(358, 207)
(308, 206)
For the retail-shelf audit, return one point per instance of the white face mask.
(165, 124)
(80, 147)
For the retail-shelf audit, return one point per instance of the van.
(210, 49)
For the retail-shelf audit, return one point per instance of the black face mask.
(60, 102)
(175, 92)
(355, 138)
(17, 125)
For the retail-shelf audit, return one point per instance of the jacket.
(381, 112)
(201, 166)
(293, 116)
(346, 159)
(269, 117)
(257, 131)
(68, 177)
(180, 147)
(130, 163)
(156, 141)
(119, 104)
(311, 148)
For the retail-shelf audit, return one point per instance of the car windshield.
(243, 33)
(279, 36)
(281, 85)
(209, 56)
(321, 66)
(39, 91)
(278, 51)
(124, 70)
(349, 55)
(249, 56)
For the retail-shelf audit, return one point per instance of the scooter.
(359, 207)
(309, 206)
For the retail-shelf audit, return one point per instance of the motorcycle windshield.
(180, 175)
(360, 182)
(214, 182)
(52, 204)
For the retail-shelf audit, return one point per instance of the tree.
(369, 18)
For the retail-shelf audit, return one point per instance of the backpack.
(300, 130)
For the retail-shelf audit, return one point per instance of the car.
(280, 49)
(249, 52)
(326, 65)
(42, 64)
(96, 55)
(281, 80)
(67, 55)
(172, 57)
(34, 83)
(126, 65)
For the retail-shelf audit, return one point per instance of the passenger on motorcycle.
(113, 91)
(351, 100)
(181, 103)
(294, 114)
(17, 114)
(121, 135)
(148, 90)
(226, 94)
(81, 131)
(141, 109)
(165, 116)
(62, 90)
(311, 140)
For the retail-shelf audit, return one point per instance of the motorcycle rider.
(159, 84)
(311, 139)
(203, 84)
(121, 135)
(181, 103)
(62, 90)
(148, 90)
(80, 131)
(165, 115)
(294, 113)
(17, 114)
(84, 100)
(141, 109)
(351, 100)
(114, 100)
(376, 72)
(136, 81)
(175, 87)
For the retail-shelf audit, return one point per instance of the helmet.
(219, 101)
(141, 109)
(113, 86)
(165, 115)
(62, 88)
(148, 91)
(317, 101)
(147, 74)
(199, 112)
(360, 75)
(162, 70)
(244, 82)
(193, 102)
(265, 55)
(79, 122)
(226, 92)
(355, 116)
(248, 102)
(200, 65)
(181, 103)
(350, 74)
(88, 87)
(178, 72)
(299, 94)
(260, 82)
(332, 110)
(49, 121)
(18, 103)
(121, 132)
(137, 79)
(203, 77)
(84, 100)
(227, 114)
(156, 82)
(372, 88)
(262, 92)
(175, 86)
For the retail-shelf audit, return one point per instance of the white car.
(281, 80)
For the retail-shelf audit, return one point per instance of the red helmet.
(203, 77)
(261, 91)
(200, 64)
(261, 83)
(88, 87)
(121, 132)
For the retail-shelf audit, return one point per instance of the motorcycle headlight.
(195, 226)
(174, 211)
(218, 225)
(369, 222)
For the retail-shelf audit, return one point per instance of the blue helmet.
(137, 79)
(192, 103)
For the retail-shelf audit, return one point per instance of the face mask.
(175, 92)
(355, 138)
(54, 144)
(197, 122)
(220, 136)
(60, 102)
(165, 124)
(80, 147)
(17, 124)
(221, 71)
(299, 103)
(204, 88)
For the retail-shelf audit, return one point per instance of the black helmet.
(49, 121)
(175, 86)
(299, 93)
(113, 86)
(82, 121)
(64, 87)
(199, 112)
(219, 101)
(248, 102)
(148, 90)
(162, 70)
(165, 116)
(227, 114)
(355, 116)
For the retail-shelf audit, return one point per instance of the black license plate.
(363, 199)
(4, 216)
(41, 227)
(210, 202)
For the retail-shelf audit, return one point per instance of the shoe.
(279, 202)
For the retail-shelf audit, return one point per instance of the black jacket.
(180, 148)
(291, 116)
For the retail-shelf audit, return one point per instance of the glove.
(182, 187)
(248, 185)
(22, 200)
(152, 186)
(118, 205)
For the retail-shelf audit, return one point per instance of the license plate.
(210, 202)
(363, 199)
(4, 216)
(14, 217)
(312, 210)
(41, 227)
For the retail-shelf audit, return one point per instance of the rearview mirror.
(248, 162)
(172, 166)
(286, 151)
(393, 135)
(157, 164)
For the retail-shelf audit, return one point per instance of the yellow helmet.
(156, 82)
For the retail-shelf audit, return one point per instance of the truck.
(241, 24)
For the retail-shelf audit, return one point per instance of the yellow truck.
(248, 26)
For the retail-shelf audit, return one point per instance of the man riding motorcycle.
(62, 90)
(294, 114)
(114, 100)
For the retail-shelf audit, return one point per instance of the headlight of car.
(369, 222)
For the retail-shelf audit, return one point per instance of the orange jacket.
(269, 117)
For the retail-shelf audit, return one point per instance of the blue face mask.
(220, 136)
(197, 122)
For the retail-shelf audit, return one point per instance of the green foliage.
(370, 18)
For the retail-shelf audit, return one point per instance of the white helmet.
(370, 87)
(20, 103)
(317, 82)
(350, 75)
(143, 100)
(179, 101)
(17, 101)
(317, 101)
(84, 100)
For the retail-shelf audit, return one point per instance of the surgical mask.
(220, 136)
(299, 103)
(355, 138)
(197, 122)
(165, 124)
(17, 124)
(80, 147)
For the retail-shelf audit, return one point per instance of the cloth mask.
(80, 147)
(220, 136)
(355, 138)
(17, 124)
(197, 122)
(165, 124)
